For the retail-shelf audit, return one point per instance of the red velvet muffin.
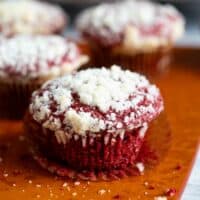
(31, 17)
(93, 120)
(28, 61)
(135, 34)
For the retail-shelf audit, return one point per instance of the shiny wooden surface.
(21, 178)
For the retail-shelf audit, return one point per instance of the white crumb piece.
(38, 196)
(74, 194)
(23, 190)
(146, 193)
(140, 167)
(146, 183)
(14, 185)
(101, 191)
(30, 181)
(77, 183)
(160, 198)
(5, 175)
(1, 159)
(38, 186)
(82, 121)
(65, 184)
(21, 138)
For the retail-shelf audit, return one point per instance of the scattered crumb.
(178, 167)
(68, 188)
(140, 167)
(14, 185)
(116, 196)
(51, 194)
(160, 198)
(1, 159)
(77, 183)
(74, 194)
(151, 187)
(38, 196)
(30, 181)
(101, 192)
(65, 184)
(23, 190)
(170, 192)
(146, 193)
(21, 138)
(38, 185)
(146, 183)
(5, 175)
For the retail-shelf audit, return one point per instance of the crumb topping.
(107, 22)
(33, 56)
(30, 17)
(96, 100)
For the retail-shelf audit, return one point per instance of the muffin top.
(142, 24)
(30, 17)
(96, 101)
(34, 57)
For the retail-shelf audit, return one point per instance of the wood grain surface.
(21, 178)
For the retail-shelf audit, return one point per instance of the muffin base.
(14, 98)
(65, 171)
(103, 154)
(153, 63)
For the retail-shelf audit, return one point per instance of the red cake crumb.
(170, 192)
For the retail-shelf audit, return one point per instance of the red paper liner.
(86, 153)
(158, 135)
(78, 158)
(14, 98)
(153, 63)
(86, 175)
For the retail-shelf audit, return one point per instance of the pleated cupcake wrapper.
(93, 158)
(92, 175)
(14, 98)
(154, 63)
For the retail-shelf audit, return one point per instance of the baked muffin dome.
(31, 17)
(38, 57)
(26, 62)
(95, 119)
(131, 26)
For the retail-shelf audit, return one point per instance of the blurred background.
(189, 8)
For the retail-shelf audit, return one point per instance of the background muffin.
(28, 61)
(93, 120)
(136, 34)
(31, 17)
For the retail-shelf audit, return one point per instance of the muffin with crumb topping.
(28, 61)
(93, 120)
(135, 34)
(31, 17)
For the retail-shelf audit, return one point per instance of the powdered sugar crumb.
(160, 198)
(101, 191)
(35, 56)
(110, 92)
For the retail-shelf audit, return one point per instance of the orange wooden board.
(21, 178)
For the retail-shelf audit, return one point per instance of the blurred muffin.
(28, 61)
(136, 34)
(93, 120)
(30, 17)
